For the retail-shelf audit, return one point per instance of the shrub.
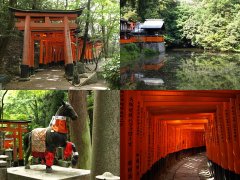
(111, 72)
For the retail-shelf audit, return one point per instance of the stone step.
(3, 163)
(3, 157)
(38, 172)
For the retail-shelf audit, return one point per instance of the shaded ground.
(189, 168)
(53, 78)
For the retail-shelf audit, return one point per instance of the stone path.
(53, 78)
(190, 168)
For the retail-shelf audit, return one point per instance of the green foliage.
(150, 52)
(105, 22)
(131, 15)
(111, 72)
(129, 53)
(212, 25)
(38, 106)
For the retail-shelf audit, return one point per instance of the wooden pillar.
(26, 48)
(67, 49)
(46, 59)
(20, 142)
(31, 54)
(236, 133)
(227, 126)
(14, 147)
(222, 137)
(41, 54)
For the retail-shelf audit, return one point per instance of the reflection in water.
(184, 70)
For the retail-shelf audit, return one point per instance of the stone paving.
(53, 78)
(189, 168)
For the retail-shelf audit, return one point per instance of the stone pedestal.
(38, 172)
(3, 173)
(3, 170)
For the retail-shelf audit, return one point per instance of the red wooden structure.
(155, 124)
(142, 39)
(54, 32)
(15, 130)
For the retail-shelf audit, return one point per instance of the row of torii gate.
(54, 30)
(156, 125)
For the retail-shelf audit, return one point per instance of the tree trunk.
(104, 35)
(57, 4)
(86, 31)
(34, 4)
(66, 5)
(106, 133)
(10, 25)
(79, 129)
(3, 103)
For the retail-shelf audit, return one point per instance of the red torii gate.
(55, 31)
(16, 130)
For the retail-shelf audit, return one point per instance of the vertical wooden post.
(46, 53)
(26, 47)
(222, 137)
(227, 126)
(41, 53)
(236, 133)
(68, 49)
(31, 54)
(20, 142)
(14, 147)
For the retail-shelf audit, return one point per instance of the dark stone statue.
(53, 139)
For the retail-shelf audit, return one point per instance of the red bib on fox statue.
(59, 124)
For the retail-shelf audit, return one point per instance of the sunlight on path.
(190, 168)
(52, 78)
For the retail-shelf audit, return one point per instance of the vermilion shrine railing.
(54, 32)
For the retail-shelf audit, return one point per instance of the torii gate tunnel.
(156, 124)
(55, 32)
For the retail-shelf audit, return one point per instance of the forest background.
(209, 24)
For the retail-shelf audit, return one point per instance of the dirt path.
(53, 78)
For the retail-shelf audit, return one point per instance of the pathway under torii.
(157, 127)
(55, 34)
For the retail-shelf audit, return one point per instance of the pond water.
(183, 70)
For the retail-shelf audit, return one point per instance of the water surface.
(184, 70)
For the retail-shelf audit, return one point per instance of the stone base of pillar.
(31, 71)
(69, 71)
(61, 63)
(21, 162)
(24, 73)
(42, 66)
